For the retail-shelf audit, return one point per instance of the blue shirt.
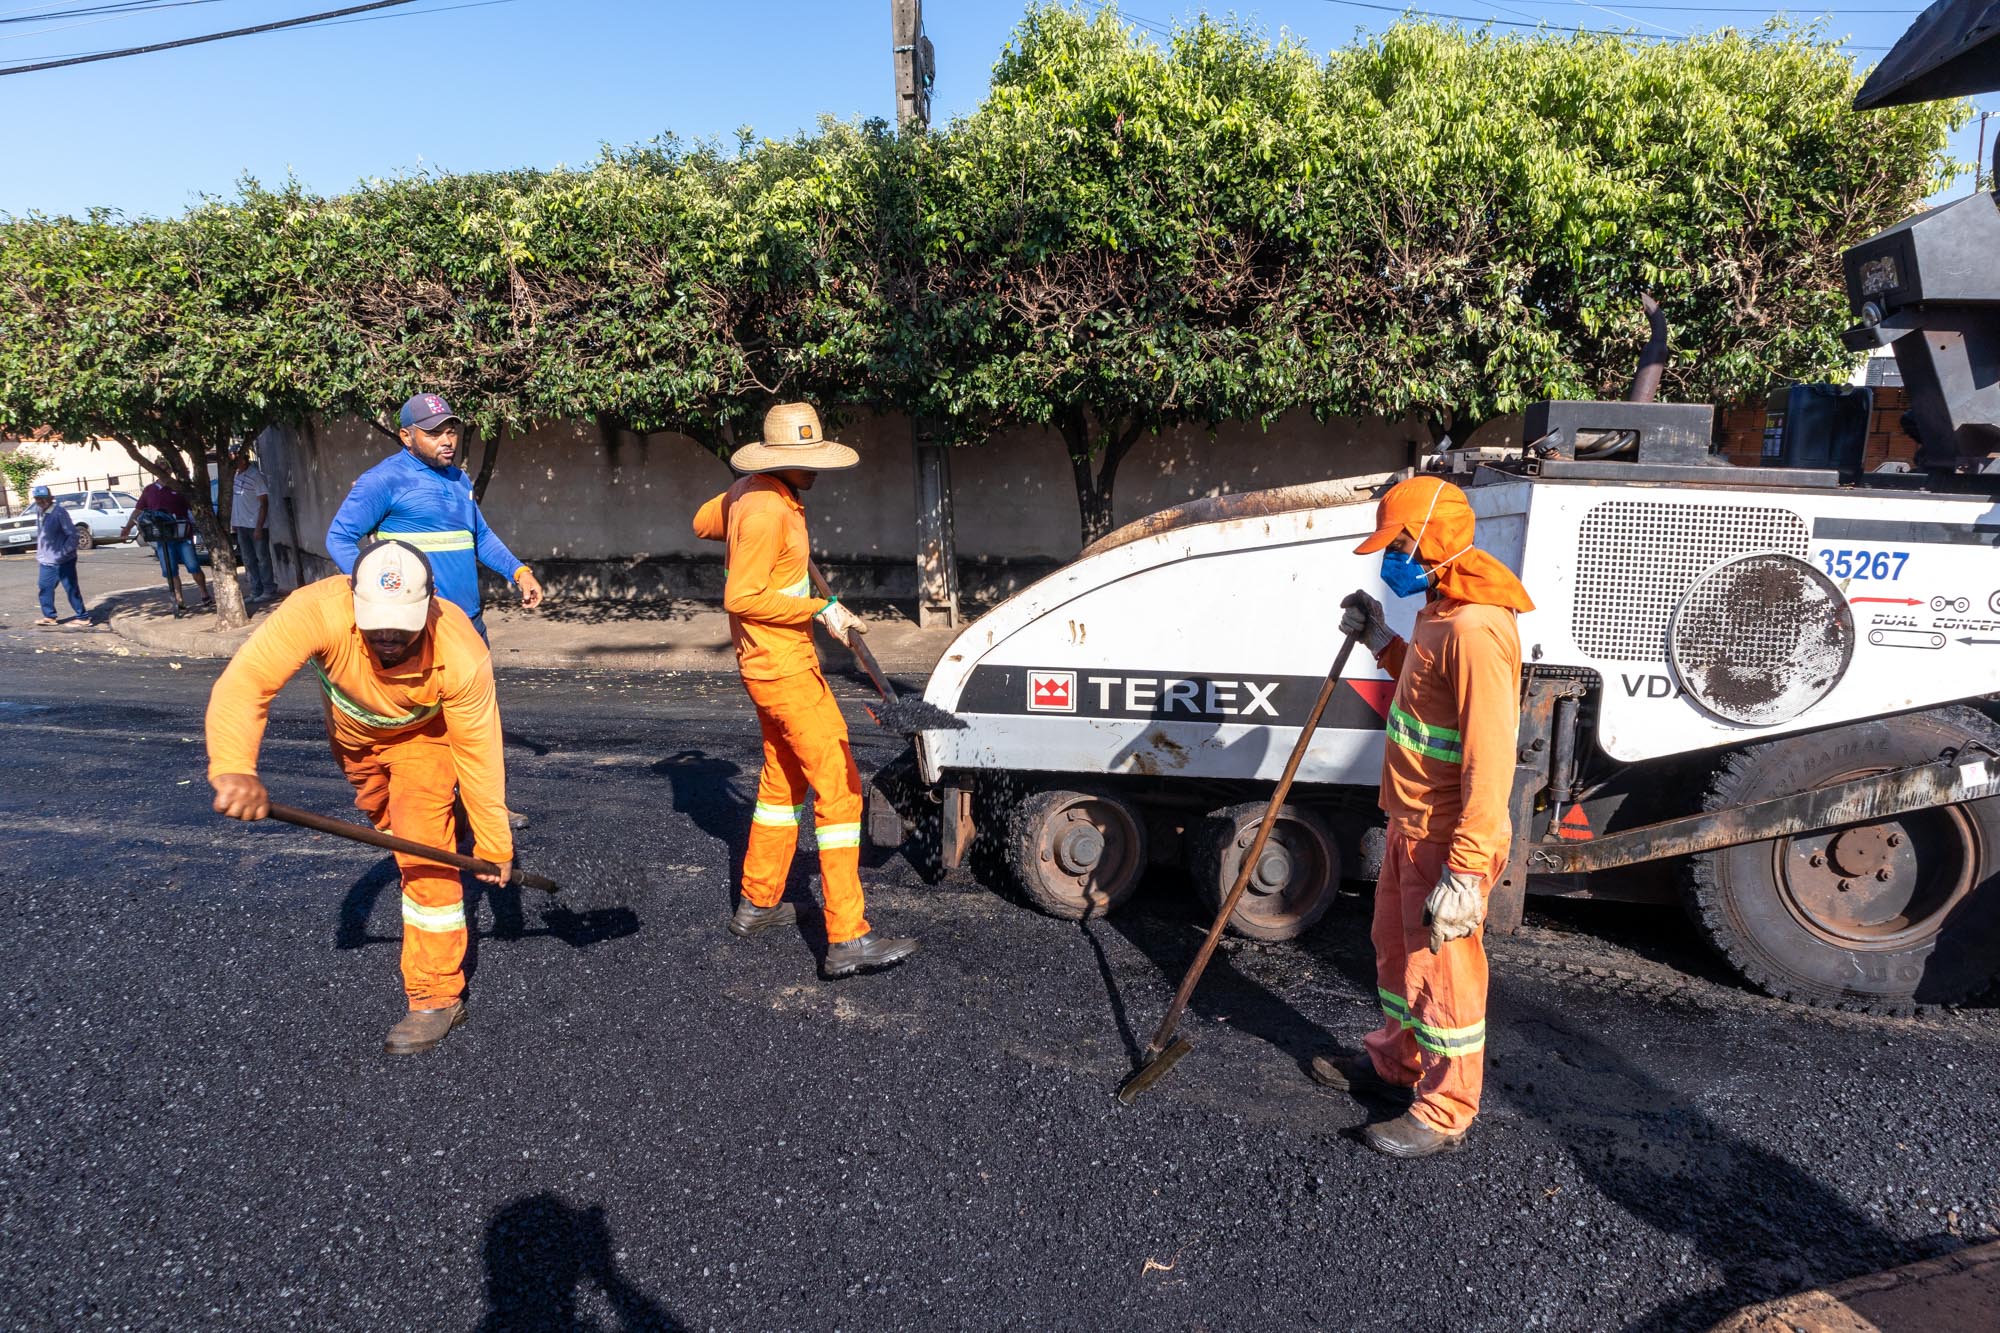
(55, 537)
(433, 510)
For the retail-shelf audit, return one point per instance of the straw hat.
(793, 438)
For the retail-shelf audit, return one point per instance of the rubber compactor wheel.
(1881, 917)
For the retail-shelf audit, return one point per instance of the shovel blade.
(1155, 1069)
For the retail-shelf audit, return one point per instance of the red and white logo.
(1052, 691)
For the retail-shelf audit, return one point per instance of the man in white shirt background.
(249, 515)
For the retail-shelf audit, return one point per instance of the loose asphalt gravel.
(649, 1124)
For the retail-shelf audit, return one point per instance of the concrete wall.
(609, 517)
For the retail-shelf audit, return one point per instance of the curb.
(906, 651)
(1960, 1290)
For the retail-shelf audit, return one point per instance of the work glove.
(1361, 616)
(1455, 908)
(841, 622)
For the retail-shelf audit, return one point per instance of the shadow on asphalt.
(705, 791)
(539, 1254)
(1169, 928)
(1771, 1227)
(578, 928)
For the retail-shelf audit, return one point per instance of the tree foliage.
(19, 468)
(1122, 238)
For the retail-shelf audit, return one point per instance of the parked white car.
(18, 533)
(99, 517)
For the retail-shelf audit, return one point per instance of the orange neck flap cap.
(1438, 515)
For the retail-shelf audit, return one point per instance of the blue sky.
(466, 87)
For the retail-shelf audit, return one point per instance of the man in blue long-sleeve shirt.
(55, 557)
(419, 497)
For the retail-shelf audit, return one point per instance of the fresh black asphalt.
(650, 1124)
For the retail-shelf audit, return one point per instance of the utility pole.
(937, 548)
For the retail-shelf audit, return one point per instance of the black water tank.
(1818, 425)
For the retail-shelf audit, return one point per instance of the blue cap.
(38, 492)
(427, 411)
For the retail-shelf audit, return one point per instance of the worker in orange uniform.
(410, 711)
(768, 594)
(1447, 776)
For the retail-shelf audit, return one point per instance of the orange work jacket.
(768, 591)
(367, 705)
(1448, 773)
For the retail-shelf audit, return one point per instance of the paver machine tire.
(1076, 854)
(1880, 917)
(1297, 875)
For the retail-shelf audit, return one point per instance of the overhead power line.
(119, 10)
(196, 41)
(1549, 24)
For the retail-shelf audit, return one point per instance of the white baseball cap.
(392, 587)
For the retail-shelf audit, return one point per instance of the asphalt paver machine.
(1762, 691)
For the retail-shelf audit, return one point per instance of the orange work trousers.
(1433, 1034)
(405, 782)
(805, 748)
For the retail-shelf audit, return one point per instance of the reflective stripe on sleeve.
(1437, 742)
(419, 917)
(456, 540)
(830, 836)
(781, 816)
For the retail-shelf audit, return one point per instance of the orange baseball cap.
(1407, 506)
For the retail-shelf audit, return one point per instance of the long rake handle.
(340, 828)
(1235, 895)
(859, 648)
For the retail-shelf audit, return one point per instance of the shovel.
(907, 716)
(340, 828)
(1166, 1049)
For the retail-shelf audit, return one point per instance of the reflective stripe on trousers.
(1433, 1035)
(405, 781)
(806, 752)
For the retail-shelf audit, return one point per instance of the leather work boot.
(516, 820)
(866, 954)
(421, 1029)
(1355, 1073)
(750, 918)
(1406, 1136)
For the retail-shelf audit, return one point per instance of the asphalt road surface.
(649, 1124)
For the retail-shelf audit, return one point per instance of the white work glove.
(1455, 908)
(1361, 616)
(840, 622)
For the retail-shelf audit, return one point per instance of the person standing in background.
(164, 519)
(249, 517)
(55, 556)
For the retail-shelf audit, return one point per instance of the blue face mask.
(1404, 576)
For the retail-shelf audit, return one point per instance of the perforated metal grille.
(1761, 639)
(1635, 561)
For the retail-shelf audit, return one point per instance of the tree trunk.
(213, 518)
(1095, 492)
(230, 612)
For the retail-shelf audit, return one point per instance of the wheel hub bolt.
(1895, 840)
(1815, 860)
(1846, 884)
(1883, 874)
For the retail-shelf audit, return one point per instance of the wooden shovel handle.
(859, 647)
(340, 828)
(1235, 895)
